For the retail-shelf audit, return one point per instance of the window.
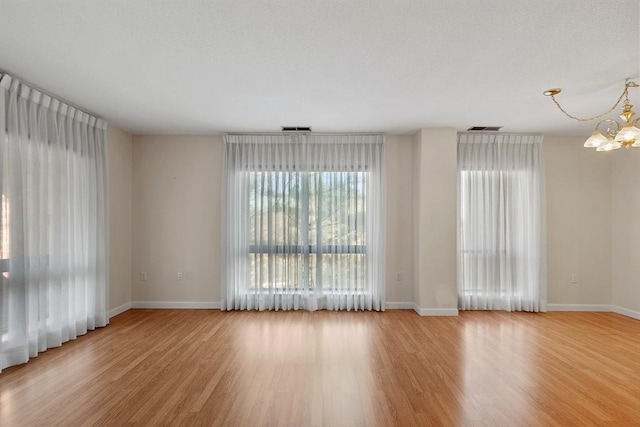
(501, 222)
(4, 267)
(307, 230)
(487, 255)
(303, 222)
(53, 223)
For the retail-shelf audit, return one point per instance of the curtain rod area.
(305, 133)
(64, 101)
(467, 132)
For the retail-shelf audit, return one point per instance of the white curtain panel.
(501, 223)
(53, 222)
(303, 222)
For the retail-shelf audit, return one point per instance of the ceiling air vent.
(485, 128)
(296, 128)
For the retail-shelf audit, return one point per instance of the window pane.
(274, 208)
(307, 229)
(4, 267)
(337, 211)
(342, 271)
(488, 215)
(4, 228)
(276, 271)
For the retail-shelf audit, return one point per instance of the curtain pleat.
(303, 222)
(53, 223)
(501, 223)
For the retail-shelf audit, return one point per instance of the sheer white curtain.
(53, 223)
(501, 223)
(303, 224)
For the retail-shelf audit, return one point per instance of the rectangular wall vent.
(485, 128)
(296, 128)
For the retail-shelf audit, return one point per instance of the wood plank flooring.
(206, 367)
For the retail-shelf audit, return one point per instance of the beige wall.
(176, 217)
(625, 251)
(435, 220)
(177, 183)
(578, 222)
(416, 176)
(398, 153)
(120, 181)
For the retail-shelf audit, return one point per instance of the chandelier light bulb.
(595, 140)
(628, 135)
(610, 145)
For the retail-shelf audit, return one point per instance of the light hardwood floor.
(206, 367)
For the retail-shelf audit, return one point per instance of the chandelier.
(609, 134)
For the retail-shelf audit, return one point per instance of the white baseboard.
(594, 307)
(390, 305)
(421, 311)
(217, 305)
(626, 312)
(399, 305)
(177, 304)
(579, 307)
(120, 309)
(435, 311)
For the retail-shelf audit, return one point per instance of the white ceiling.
(363, 65)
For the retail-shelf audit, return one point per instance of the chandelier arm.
(622, 95)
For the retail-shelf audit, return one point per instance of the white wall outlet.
(180, 275)
(398, 276)
(143, 276)
(574, 278)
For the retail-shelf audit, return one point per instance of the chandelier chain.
(622, 95)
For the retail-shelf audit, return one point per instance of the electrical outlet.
(398, 276)
(180, 275)
(574, 278)
(143, 276)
